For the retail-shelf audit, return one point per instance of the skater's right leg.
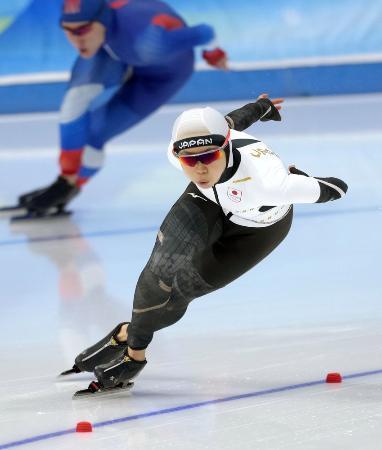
(162, 293)
(200, 258)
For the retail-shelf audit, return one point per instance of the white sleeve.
(282, 188)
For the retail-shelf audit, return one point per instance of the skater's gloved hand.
(263, 109)
(268, 110)
(216, 58)
(330, 188)
(277, 102)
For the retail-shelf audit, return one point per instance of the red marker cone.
(84, 427)
(333, 377)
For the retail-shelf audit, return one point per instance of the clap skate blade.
(96, 390)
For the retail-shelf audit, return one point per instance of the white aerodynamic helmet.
(199, 127)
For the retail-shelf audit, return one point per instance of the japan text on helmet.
(86, 11)
(199, 127)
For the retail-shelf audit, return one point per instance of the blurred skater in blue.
(134, 55)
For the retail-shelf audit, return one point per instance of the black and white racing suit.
(212, 236)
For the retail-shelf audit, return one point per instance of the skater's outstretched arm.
(164, 38)
(263, 109)
(277, 186)
(330, 188)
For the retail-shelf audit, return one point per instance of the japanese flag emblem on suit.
(234, 194)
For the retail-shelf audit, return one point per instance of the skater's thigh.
(193, 218)
(101, 69)
(240, 249)
(92, 83)
(191, 226)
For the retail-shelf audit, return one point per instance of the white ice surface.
(314, 306)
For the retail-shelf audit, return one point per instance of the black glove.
(331, 188)
(242, 118)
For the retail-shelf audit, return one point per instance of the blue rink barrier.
(213, 85)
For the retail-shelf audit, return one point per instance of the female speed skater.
(236, 210)
(134, 55)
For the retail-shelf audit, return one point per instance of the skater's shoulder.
(254, 154)
(141, 10)
(133, 19)
(244, 141)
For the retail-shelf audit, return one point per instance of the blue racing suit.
(146, 58)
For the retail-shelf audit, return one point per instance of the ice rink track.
(245, 368)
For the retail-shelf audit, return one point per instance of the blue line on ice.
(153, 228)
(159, 412)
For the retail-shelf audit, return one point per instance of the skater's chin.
(85, 53)
(204, 184)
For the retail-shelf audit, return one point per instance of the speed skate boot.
(115, 376)
(23, 201)
(26, 198)
(56, 196)
(104, 351)
(119, 372)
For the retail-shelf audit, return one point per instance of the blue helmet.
(86, 11)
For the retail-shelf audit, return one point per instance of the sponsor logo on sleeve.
(242, 180)
(258, 152)
(196, 196)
